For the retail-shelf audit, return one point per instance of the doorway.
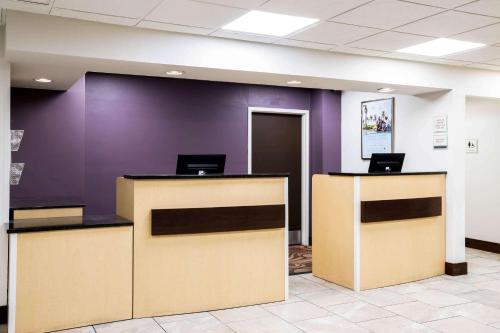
(278, 142)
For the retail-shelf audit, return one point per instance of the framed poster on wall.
(377, 127)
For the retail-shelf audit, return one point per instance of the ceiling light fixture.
(294, 82)
(440, 47)
(270, 24)
(174, 73)
(385, 90)
(42, 80)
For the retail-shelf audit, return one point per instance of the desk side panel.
(73, 278)
(198, 272)
(395, 252)
(47, 212)
(333, 229)
(125, 198)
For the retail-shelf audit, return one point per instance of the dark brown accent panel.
(482, 245)
(455, 269)
(400, 209)
(216, 219)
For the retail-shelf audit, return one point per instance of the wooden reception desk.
(205, 243)
(376, 230)
(178, 244)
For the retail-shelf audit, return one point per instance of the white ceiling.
(369, 27)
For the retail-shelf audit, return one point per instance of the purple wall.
(134, 124)
(53, 144)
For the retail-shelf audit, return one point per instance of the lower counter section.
(70, 278)
(191, 273)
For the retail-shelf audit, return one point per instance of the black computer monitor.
(200, 164)
(386, 163)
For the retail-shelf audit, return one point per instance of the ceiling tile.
(482, 54)
(447, 24)
(406, 56)
(443, 3)
(93, 17)
(483, 7)
(39, 8)
(389, 41)
(487, 35)
(386, 14)
(174, 27)
(125, 8)
(243, 36)
(192, 13)
(448, 62)
(247, 4)
(334, 33)
(302, 44)
(320, 9)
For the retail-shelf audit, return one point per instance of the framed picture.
(377, 127)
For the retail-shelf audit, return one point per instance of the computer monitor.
(380, 163)
(200, 164)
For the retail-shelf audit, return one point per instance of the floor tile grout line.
(157, 323)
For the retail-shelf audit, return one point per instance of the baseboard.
(3, 314)
(482, 245)
(455, 269)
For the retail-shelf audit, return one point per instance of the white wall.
(413, 132)
(483, 171)
(4, 173)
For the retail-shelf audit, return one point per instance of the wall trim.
(305, 232)
(3, 314)
(455, 269)
(482, 245)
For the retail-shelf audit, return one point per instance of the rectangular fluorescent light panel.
(440, 47)
(270, 24)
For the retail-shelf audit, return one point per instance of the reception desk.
(377, 230)
(206, 243)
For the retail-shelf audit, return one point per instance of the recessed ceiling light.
(440, 47)
(42, 80)
(294, 82)
(385, 90)
(270, 24)
(174, 73)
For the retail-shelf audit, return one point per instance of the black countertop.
(387, 173)
(66, 223)
(166, 176)
(19, 204)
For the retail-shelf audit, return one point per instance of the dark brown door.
(277, 147)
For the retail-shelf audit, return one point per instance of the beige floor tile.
(432, 279)
(197, 325)
(359, 311)
(487, 262)
(187, 316)
(438, 298)
(472, 278)
(460, 325)
(490, 285)
(486, 297)
(326, 283)
(298, 311)
(239, 314)
(328, 325)
(381, 297)
(145, 325)
(327, 297)
(407, 288)
(495, 276)
(477, 311)
(299, 285)
(451, 287)
(496, 325)
(394, 324)
(420, 312)
(87, 329)
(291, 299)
(480, 269)
(264, 325)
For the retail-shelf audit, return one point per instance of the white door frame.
(305, 159)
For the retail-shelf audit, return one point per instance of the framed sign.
(377, 127)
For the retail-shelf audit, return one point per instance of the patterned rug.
(299, 259)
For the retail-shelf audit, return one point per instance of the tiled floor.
(442, 304)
